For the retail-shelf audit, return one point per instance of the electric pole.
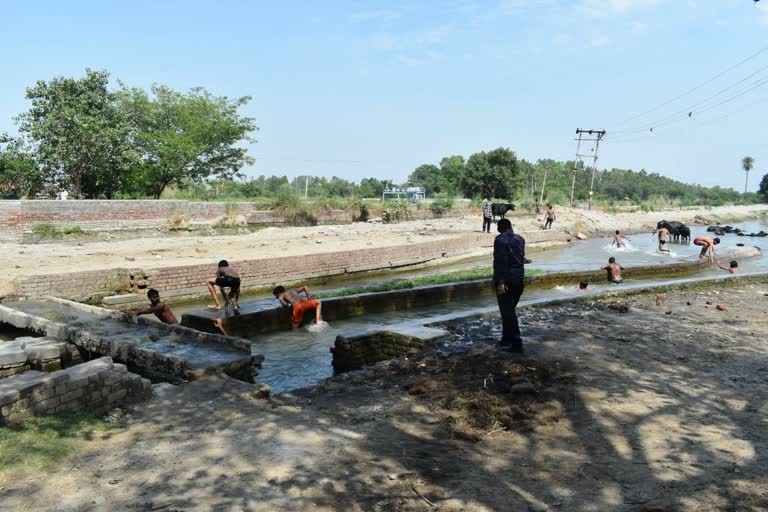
(598, 134)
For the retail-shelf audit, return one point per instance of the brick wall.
(95, 386)
(189, 281)
(16, 217)
(354, 351)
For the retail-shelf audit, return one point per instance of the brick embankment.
(95, 386)
(17, 217)
(188, 281)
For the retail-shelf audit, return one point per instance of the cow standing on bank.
(501, 209)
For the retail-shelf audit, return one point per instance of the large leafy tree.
(492, 174)
(451, 172)
(19, 174)
(81, 140)
(427, 176)
(186, 137)
(763, 190)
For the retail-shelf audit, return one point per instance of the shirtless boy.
(618, 239)
(157, 308)
(614, 271)
(583, 286)
(663, 233)
(226, 277)
(732, 268)
(298, 304)
(707, 244)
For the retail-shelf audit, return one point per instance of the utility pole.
(598, 134)
(575, 166)
(544, 184)
(306, 186)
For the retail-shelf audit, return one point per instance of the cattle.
(501, 209)
(676, 229)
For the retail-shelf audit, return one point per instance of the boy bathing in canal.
(614, 271)
(663, 233)
(226, 277)
(732, 268)
(157, 308)
(618, 239)
(298, 304)
(707, 245)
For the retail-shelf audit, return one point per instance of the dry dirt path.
(644, 409)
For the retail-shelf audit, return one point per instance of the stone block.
(72, 395)
(117, 396)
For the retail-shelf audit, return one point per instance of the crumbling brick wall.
(96, 386)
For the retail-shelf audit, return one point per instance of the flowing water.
(294, 359)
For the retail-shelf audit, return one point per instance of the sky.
(375, 89)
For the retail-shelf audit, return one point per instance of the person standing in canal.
(487, 214)
(508, 279)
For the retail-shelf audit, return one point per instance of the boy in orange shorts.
(299, 305)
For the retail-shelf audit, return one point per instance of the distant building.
(412, 194)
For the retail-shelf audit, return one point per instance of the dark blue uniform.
(508, 269)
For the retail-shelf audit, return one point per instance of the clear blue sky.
(357, 89)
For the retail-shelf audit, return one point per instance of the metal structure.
(412, 194)
(598, 134)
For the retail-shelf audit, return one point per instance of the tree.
(492, 174)
(451, 172)
(371, 187)
(427, 176)
(19, 173)
(81, 140)
(763, 191)
(747, 163)
(191, 136)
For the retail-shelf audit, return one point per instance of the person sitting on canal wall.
(157, 308)
(299, 305)
(614, 271)
(732, 268)
(226, 277)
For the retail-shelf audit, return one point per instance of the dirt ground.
(165, 251)
(659, 409)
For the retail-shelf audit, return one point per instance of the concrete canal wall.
(171, 353)
(266, 316)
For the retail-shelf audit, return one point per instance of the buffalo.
(501, 209)
(678, 230)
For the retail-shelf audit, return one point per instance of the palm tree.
(747, 163)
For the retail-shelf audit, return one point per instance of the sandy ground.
(164, 251)
(660, 409)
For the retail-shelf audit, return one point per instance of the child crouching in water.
(298, 304)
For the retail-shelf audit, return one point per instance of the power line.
(692, 108)
(699, 86)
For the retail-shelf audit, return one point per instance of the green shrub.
(395, 211)
(49, 231)
(361, 207)
(646, 207)
(441, 205)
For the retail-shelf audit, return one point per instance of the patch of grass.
(41, 441)
(49, 231)
(449, 277)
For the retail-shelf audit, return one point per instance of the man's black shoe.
(513, 349)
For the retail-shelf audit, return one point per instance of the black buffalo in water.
(678, 230)
(501, 209)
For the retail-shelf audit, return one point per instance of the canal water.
(295, 359)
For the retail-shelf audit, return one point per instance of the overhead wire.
(693, 89)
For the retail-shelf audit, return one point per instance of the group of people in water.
(228, 281)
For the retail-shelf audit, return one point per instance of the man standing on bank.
(508, 279)
(487, 214)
